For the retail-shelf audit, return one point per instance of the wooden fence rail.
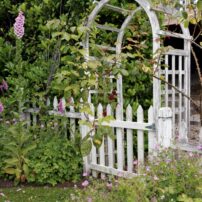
(135, 140)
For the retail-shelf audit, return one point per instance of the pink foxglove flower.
(1, 107)
(19, 25)
(61, 107)
(5, 85)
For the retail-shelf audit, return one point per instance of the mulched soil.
(10, 184)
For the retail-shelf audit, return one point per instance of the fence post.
(165, 137)
(84, 131)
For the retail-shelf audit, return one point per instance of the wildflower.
(168, 160)
(1, 87)
(85, 174)
(19, 25)
(85, 183)
(1, 107)
(4, 85)
(61, 107)
(191, 154)
(199, 147)
(89, 199)
(135, 162)
(156, 178)
(147, 168)
(2, 194)
(109, 185)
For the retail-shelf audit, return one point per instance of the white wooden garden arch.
(178, 61)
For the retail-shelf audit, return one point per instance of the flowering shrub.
(173, 174)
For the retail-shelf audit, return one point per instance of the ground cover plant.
(165, 179)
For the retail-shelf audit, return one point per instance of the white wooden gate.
(177, 61)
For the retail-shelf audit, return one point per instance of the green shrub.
(55, 160)
(16, 145)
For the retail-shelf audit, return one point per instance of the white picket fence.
(127, 153)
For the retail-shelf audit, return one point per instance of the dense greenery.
(166, 180)
(41, 156)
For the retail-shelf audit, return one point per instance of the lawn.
(36, 194)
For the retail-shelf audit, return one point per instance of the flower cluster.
(61, 107)
(19, 25)
(1, 107)
(3, 86)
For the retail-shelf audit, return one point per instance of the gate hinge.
(151, 127)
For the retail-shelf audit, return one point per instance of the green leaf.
(12, 161)
(26, 169)
(86, 147)
(199, 5)
(184, 15)
(186, 23)
(29, 148)
(10, 171)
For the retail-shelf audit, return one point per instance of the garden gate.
(174, 65)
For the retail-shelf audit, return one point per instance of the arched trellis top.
(184, 54)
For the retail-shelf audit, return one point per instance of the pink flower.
(5, 85)
(89, 199)
(85, 174)
(85, 183)
(2, 194)
(61, 108)
(199, 147)
(1, 107)
(135, 162)
(19, 25)
(147, 168)
(109, 185)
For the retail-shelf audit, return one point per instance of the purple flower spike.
(61, 107)
(19, 25)
(1, 107)
(199, 147)
(5, 85)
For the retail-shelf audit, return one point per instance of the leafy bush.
(17, 143)
(55, 160)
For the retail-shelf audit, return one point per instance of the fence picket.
(65, 122)
(140, 136)
(94, 150)
(55, 104)
(72, 121)
(120, 144)
(110, 142)
(48, 102)
(129, 140)
(84, 131)
(151, 134)
(102, 147)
